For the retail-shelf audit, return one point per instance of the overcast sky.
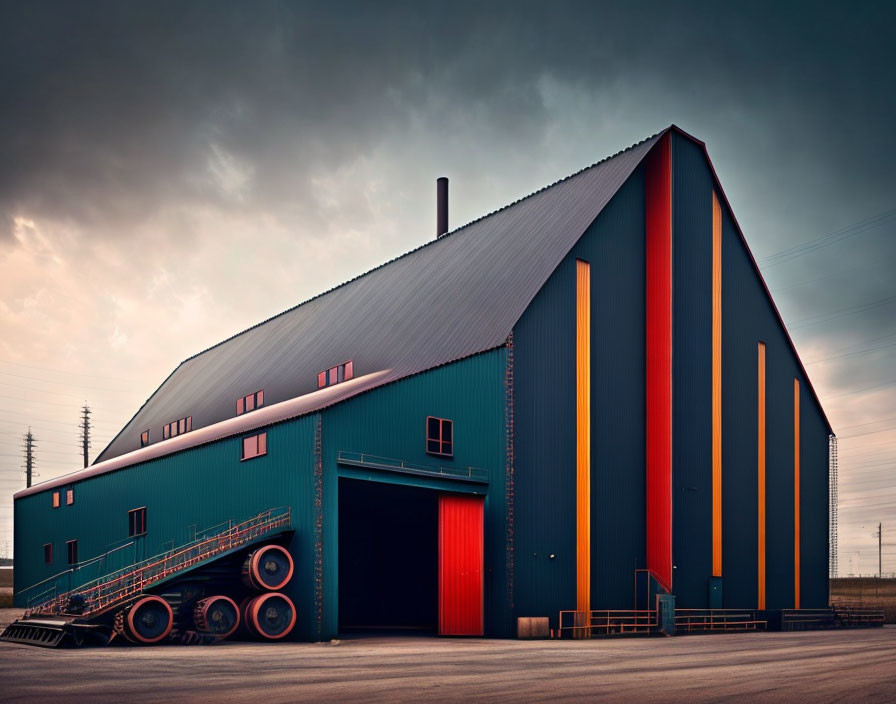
(171, 173)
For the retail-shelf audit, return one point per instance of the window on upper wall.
(333, 375)
(137, 521)
(69, 496)
(255, 446)
(177, 427)
(48, 554)
(439, 436)
(250, 402)
(144, 438)
(55, 499)
(72, 546)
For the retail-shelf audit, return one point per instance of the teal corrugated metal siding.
(390, 422)
(197, 488)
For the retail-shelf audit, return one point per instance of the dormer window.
(177, 427)
(334, 375)
(250, 402)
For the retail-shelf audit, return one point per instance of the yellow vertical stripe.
(716, 387)
(760, 471)
(583, 436)
(796, 493)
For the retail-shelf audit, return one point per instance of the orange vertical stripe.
(716, 387)
(796, 493)
(760, 471)
(583, 436)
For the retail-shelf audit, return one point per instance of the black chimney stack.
(441, 206)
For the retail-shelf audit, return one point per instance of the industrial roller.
(217, 616)
(270, 616)
(268, 568)
(147, 621)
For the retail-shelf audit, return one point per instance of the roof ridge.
(417, 249)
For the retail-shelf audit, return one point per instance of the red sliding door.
(460, 565)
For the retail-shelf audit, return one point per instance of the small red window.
(334, 375)
(48, 554)
(250, 402)
(144, 438)
(255, 446)
(439, 436)
(69, 497)
(55, 499)
(137, 521)
(176, 427)
(72, 546)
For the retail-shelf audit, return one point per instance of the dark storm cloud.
(110, 109)
(112, 112)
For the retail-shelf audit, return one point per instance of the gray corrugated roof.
(448, 299)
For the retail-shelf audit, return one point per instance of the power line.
(870, 432)
(867, 388)
(832, 238)
(851, 310)
(66, 372)
(870, 422)
(31, 389)
(61, 383)
(867, 350)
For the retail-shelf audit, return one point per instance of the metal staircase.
(88, 606)
(115, 589)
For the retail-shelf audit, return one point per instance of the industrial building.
(577, 402)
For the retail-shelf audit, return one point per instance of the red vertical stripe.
(658, 316)
(460, 565)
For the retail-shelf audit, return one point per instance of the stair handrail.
(117, 586)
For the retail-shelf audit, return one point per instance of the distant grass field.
(866, 591)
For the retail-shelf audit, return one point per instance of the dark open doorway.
(388, 557)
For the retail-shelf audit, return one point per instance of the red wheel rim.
(201, 618)
(254, 608)
(255, 568)
(131, 631)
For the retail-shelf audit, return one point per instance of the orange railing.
(711, 620)
(583, 624)
(117, 587)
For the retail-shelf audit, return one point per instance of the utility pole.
(85, 431)
(30, 444)
(880, 571)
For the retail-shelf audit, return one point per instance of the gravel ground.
(826, 666)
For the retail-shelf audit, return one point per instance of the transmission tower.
(834, 503)
(30, 444)
(85, 431)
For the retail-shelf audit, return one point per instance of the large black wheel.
(217, 616)
(148, 621)
(270, 616)
(269, 568)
